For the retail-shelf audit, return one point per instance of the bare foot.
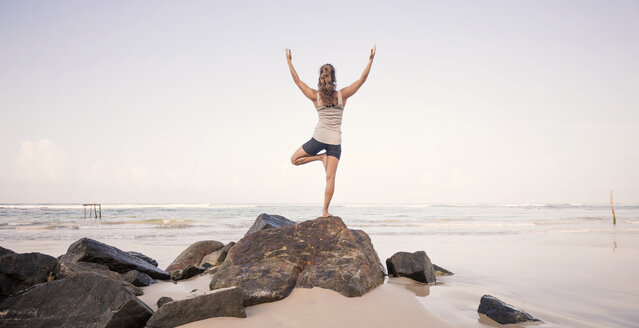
(325, 214)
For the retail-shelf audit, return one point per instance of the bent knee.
(294, 161)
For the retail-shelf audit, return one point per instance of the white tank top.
(329, 127)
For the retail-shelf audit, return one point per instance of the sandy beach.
(566, 279)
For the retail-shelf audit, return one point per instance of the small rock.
(217, 257)
(138, 278)
(191, 271)
(439, 271)
(194, 254)
(85, 300)
(19, 271)
(416, 266)
(144, 258)
(226, 302)
(89, 250)
(268, 221)
(502, 312)
(163, 300)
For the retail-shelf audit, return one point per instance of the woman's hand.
(288, 54)
(372, 52)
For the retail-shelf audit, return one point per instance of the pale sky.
(192, 101)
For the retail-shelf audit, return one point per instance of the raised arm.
(351, 89)
(306, 90)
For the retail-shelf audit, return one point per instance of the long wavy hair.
(327, 84)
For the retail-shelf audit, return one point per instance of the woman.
(329, 104)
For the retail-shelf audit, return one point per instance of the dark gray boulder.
(217, 257)
(225, 302)
(189, 272)
(502, 312)
(64, 270)
(137, 278)
(194, 254)
(19, 271)
(144, 257)
(5, 251)
(416, 266)
(89, 250)
(85, 300)
(268, 221)
(163, 300)
(269, 263)
(439, 271)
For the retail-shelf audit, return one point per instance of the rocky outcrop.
(416, 266)
(269, 263)
(68, 270)
(137, 278)
(194, 254)
(502, 312)
(268, 221)
(85, 300)
(439, 271)
(144, 258)
(217, 257)
(89, 250)
(163, 300)
(225, 302)
(19, 271)
(5, 251)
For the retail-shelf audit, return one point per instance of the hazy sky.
(192, 101)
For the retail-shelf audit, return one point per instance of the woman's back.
(329, 127)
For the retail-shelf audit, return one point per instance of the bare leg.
(301, 157)
(331, 169)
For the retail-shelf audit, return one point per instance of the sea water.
(226, 222)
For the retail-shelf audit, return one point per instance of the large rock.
(416, 266)
(137, 278)
(19, 271)
(64, 270)
(86, 300)
(144, 257)
(5, 251)
(502, 312)
(217, 257)
(194, 254)
(89, 250)
(324, 253)
(163, 300)
(225, 302)
(268, 221)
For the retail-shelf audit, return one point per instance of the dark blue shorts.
(312, 147)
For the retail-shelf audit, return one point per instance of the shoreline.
(553, 276)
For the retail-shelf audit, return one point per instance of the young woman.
(327, 136)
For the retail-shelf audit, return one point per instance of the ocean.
(227, 222)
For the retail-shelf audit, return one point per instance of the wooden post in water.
(95, 208)
(614, 218)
